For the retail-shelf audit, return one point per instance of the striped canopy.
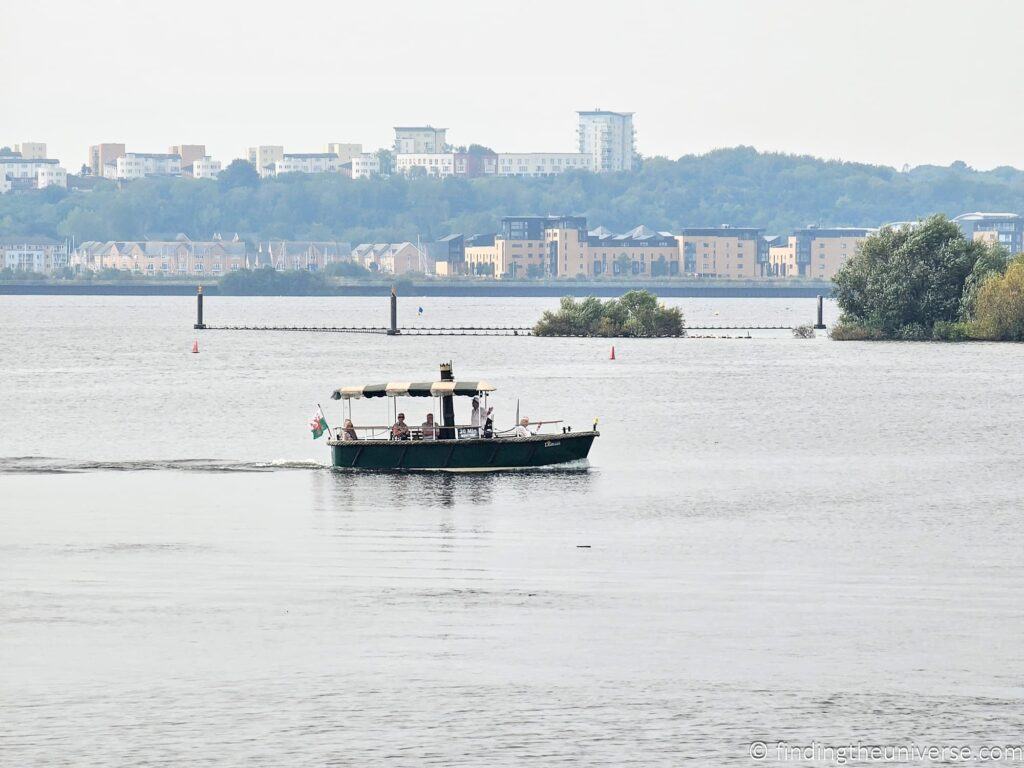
(413, 389)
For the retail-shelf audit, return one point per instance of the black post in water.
(820, 326)
(447, 405)
(393, 330)
(200, 325)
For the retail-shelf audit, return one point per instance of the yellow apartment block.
(724, 252)
(816, 253)
(561, 246)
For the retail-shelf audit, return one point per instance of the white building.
(365, 165)
(264, 157)
(205, 168)
(44, 172)
(31, 150)
(541, 163)
(137, 165)
(51, 176)
(419, 140)
(308, 162)
(37, 255)
(607, 137)
(433, 164)
(345, 152)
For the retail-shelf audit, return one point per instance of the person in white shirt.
(475, 417)
(523, 429)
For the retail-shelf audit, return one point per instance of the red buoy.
(195, 346)
(612, 355)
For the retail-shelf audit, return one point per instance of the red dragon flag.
(318, 424)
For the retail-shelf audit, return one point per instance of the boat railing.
(462, 431)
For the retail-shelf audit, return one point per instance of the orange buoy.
(612, 355)
(195, 346)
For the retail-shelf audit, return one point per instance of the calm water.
(785, 541)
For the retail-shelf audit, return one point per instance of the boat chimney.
(447, 405)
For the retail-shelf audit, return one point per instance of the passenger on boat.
(489, 423)
(400, 430)
(349, 431)
(475, 417)
(523, 430)
(428, 428)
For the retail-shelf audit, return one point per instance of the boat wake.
(48, 465)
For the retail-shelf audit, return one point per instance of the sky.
(893, 82)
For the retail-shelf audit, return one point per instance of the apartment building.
(265, 157)
(420, 140)
(365, 165)
(138, 165)
(103, 155)
(541, 163)
(725, 252)
(17, 172)
(204, 168)
(39, 254)
(816, 252)
(474, 164)
(448, 255)
(530, 246)
(344, 152)
(641, 252)
(188, 153)
(440, 165)
(608, 138)
(307, 162)
(1006, 229)
(31, 150)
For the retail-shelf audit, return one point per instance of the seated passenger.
(349, 431)
(523, 429)
(400, 430)
(428, 428)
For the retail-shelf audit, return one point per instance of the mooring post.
(820, 325)
(200, 325)
(447, 431)
(393, 330)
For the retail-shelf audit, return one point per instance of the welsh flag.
(318, 424)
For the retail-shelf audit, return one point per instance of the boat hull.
(473, 455)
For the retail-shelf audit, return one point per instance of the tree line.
(737, 186)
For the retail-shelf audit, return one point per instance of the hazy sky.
(884, 81)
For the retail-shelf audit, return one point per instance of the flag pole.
(321, 412)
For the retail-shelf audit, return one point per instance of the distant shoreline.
(688, 289)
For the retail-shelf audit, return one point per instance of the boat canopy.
(413, 389)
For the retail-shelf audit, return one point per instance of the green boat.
(448, 446)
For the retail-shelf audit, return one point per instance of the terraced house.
(178, 257)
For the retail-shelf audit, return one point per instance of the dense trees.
(733, 186)
(929, 282)
(635, 314)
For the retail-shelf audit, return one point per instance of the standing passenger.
(475, 417)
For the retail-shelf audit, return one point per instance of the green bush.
(849, 331)
(636, 314)
(946, 331)
(999, 305)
